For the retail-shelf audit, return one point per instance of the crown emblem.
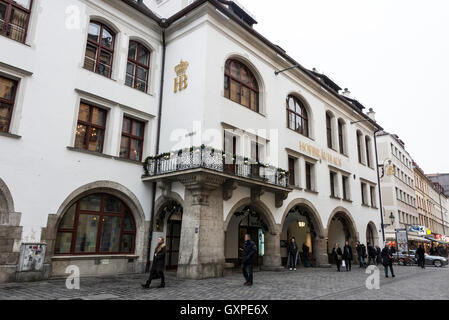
(181, 68)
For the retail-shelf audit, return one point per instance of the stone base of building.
(272, 268)
(31, 276)
(200, 271)
(10, 236)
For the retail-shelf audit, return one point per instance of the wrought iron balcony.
(208, 158)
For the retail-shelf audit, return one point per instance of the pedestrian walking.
(158, 265)
(387, 261)
(305, 252)
(378, 255)
(420, 256)
(338, 255)
(361, 254)
(348, 256)
(371, 254)
(249, 252)
(292, 253)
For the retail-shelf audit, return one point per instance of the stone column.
(10, 238)
(272, 256)
(321, 256)
(201, 252)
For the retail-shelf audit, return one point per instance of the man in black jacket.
(305, 252)
(371, 254)
(249, 251)
(420, 255)
(347, 256)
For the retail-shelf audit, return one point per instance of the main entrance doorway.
(172, 211)
(245, 221)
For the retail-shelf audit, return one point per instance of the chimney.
(371, 114)
(346, 93)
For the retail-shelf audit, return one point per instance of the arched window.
(298, 118)
(96, 224)
(329, 130)
(341, 136)
(359, 145)
(241, 85)
(368, 151)
(138, 67)
(99, 49)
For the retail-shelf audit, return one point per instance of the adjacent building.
(398, 186)
(229, 144)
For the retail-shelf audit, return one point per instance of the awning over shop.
(417, 238)
(435, 240)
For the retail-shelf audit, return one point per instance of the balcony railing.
(216, 160)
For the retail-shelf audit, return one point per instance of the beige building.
(397, 185)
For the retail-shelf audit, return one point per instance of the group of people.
(374, 254)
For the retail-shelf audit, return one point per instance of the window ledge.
(347, 200)
(375, 208)
(95, 256)
(310, 138)
(10, 135)
(311, 191)
(365, 205)
(296, 188)
(335, 198)
(103, 155)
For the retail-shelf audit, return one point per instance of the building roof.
(221, 7)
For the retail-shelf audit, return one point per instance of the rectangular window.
(332, 183)
(345, 181)
(373, 197)
(131, 145)
(291, 170)
(362, 185)
(309, 176)
(91, 128)
(8, 89)
(14, 18)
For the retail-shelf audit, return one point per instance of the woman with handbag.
(158, 265)
(338, 255)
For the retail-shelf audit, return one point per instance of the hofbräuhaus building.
(123, 121)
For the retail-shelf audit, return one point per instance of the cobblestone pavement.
(411, 283)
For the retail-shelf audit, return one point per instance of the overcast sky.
(393, 55)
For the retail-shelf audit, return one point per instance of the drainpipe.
(163, 24)
(378, 185)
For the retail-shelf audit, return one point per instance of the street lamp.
(392, 218)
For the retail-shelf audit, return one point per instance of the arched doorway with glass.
(372, 236)
(301, 225)
(246, 220)
(340, 229)
(171, 216)
(98, 224)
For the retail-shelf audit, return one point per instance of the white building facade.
(94, 88)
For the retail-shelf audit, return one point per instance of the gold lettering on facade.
(181, 81)
(319, 153)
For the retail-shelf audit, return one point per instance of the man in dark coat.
(420, 256)
(378, 255)
(387, 261)
(158, 265)
(371, 254)
(347, 256)
(249, 252)
(338, 255)
(305, 252)
(292, 253)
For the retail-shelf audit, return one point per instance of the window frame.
(131, 137)
(341, 138)
(9, 5)
(359, 146)
(292, 170)
(90, 125)
(99, 46)
(305, 129)
(309, 176)
(100, 214)
(329, 134)
(229, 77)
(332, 177)
(10, 103)
(138, 64)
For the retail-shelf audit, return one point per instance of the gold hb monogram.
(181, 79)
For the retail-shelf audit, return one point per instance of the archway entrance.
(247, 220)
(172, 212)
(371, 234)
(299, 224)
(340, 230)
